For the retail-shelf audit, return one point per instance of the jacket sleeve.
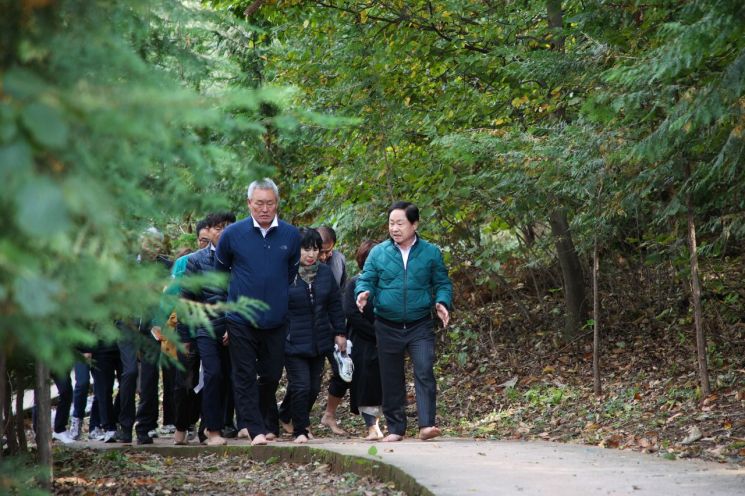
(441, 284)
(224, 253)
(368, 280)
(294, 260)
(191, 269)
(336, 310)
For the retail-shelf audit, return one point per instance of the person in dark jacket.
(407, 278)
(211, 341)
(316, 323)
(365, 392)
(261, 253)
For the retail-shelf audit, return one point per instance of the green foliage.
(113, 117)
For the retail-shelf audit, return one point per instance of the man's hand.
(362, 300)
(156, 332)
(225, 339)
(341, 342)
(443, 313)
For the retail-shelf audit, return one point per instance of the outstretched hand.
(362, 300)
(443, 313)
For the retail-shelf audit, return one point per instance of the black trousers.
(257, 359)
(187, 403)
(168, 373)
(104, 369)
(337, 387)
(214, 358)
(393, 343)
(146, 413)
(303, 386)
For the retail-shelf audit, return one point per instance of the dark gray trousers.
(393, 343)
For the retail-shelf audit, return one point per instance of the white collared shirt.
(275, 223)
(405, 251)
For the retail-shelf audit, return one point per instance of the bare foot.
(243, 434)
(374, 434)
(301, 439)
(180, 439)
(330, 422)
(286, 426)
(215, 439)
(258, 440)
(392, 438)
(429, 433)
(271, 437)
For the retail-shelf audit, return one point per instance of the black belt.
(402, 325)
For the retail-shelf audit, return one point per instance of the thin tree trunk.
(555, 21)
(703, 369)
(596, 321)
(20, 427)
(571, 270)
(9, 425)
(3, 390)
(43, 424)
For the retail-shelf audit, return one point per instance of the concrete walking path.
(454, 466)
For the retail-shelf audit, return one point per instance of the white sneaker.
(109, 437)
(344, 362)
(96, 434)
(76, 428)
(62, 437)
(153, 433)
(167, 429)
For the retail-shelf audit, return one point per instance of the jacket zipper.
(405, 285)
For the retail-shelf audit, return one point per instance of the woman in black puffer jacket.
(316, 322)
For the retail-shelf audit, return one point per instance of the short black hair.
(310, 238)
(327, 234)
(202, 224)
(217, 218)
(411, 210)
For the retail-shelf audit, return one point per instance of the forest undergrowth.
(504, 372)
(507, 375)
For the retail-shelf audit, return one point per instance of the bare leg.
(214, 438)
(429, 433)
(373, 432)
(329, 416)
(179, 438)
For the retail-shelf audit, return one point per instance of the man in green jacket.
(406, 278)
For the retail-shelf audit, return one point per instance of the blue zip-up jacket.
(260, 268)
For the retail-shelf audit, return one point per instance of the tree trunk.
(703, 369)
(20, 427)
(571, 271)
(43, 402)
(3, 390)
(596, 321)
(556, 23)
(10, 430)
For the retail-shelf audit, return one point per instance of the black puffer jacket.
(198, 263)
(315, 315)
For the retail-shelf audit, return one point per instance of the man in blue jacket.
(262, 254)
(407, 278)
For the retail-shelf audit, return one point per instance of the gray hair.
(265, 183)
(152, 233)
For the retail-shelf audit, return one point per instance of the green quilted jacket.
(405, 295)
